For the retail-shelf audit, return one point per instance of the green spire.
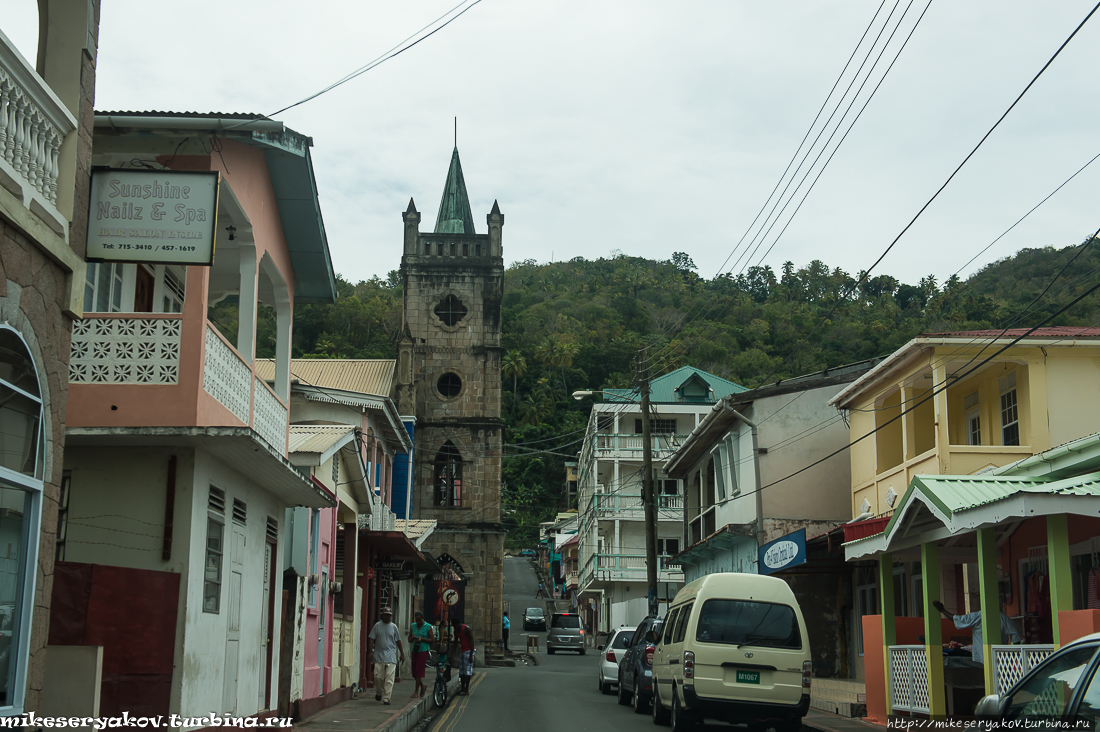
(455, 216)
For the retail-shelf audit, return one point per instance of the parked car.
(1065, 686)
(609, 657)
(636, 665)
(534, 618)
(566, 633)
(735, 649)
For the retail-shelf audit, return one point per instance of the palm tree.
(515, 365)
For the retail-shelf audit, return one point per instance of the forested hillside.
(580, 325)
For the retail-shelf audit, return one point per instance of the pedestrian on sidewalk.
(465, 638)
(383, 645)
(421, 636)
(974, 622)
(507, 626)
(540, 592)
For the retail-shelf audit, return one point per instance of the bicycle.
(442, 676)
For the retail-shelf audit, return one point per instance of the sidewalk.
(829, 722)
(366, 714)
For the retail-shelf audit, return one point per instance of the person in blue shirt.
(507, 626)
(974, 622)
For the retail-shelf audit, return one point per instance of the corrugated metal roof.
(211, 115)
(316, 438)
(954, 493)
(1059, 331)
(662, 390)
(362, 375)
(417, 527)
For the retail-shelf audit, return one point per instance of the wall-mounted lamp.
(232, 232)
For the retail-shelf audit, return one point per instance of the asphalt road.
(560, 693)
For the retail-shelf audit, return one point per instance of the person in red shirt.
(466, 655)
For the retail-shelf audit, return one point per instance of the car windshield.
(622, 640)
(740, 622)
(535, 612)
(566, 621)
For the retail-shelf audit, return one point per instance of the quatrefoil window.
(451, 310)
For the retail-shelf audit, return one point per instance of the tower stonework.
(449, 377)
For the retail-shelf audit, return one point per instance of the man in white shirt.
(974, 622)
(383, 645)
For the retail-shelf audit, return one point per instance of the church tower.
(448, 376)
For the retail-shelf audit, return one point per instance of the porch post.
(889, 632)
(933, 636)
(1061, 587)
(991, 601)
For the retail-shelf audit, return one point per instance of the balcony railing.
(633, 443)
(632, 567)
(126, 350)
(909, 679)
(610, 504)
(1010, 663)
(33, 124)
(269, 417)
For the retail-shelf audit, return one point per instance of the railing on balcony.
(607, 504)
(633, 443)
(909, 679)
(225, 375)
(1010, 663)
(269, 416)
(112, 349)
(33, 124)
(633, 567)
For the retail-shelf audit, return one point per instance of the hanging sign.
(783, 553)
(161, 216)
(450, 597)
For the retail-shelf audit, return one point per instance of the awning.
(238, 447)
(395, 545)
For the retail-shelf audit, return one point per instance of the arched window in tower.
(451, 310)
(448, 476)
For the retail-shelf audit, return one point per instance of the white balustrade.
(33, 125)
(226, 377)
(1010, 663)
(125, 350)
(909, 679)
(270, 417)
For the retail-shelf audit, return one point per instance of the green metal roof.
(455, 216)
(663, 389)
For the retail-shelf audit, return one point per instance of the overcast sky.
(646, 127)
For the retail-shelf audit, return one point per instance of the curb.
(532, 659)
(412, 717)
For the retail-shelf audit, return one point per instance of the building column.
(943, 435)
(933, 634)
(246, 302)
(1061, 581)
(889, 632)
(991, 601)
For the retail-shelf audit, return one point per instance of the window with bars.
(173, 291)
(215, 548)
(448, 476)
(657, 426)
(1010, 414)
(451, 310)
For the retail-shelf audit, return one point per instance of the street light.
(648, 498)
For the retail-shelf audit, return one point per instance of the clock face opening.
(449, 384)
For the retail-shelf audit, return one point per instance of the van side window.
(681, 623)
(670, 622)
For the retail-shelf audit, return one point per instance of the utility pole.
(648, 498)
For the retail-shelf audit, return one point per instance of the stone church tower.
(448, 376)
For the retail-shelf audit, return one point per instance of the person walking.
(540, 592)
(421, 636)
(465, 638)
(383, 646)
(507, 626)
(973, 621)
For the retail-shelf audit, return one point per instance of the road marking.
(447, 723)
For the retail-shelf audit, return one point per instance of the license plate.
(748, 677)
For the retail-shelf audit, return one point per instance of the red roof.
(1058, 331)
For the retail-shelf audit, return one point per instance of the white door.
(322, 603)
(233, 622)
(265, 627)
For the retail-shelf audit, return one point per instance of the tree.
(515, 365)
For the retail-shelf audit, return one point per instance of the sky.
(648, 128)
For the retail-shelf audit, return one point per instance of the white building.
(612, 555)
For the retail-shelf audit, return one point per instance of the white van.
(734, 648)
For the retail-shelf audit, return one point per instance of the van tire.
(624, 698)
(660, 714)
(794, 724)
(679, 722)
(640, 705)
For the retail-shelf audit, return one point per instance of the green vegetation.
(580, 325)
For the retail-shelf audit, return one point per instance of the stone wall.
(481, 554)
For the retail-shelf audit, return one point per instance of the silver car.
(566, 633)
(610, 655)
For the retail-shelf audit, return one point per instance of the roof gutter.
(188, 123)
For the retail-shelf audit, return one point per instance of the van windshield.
(740, 622)
(566, 621)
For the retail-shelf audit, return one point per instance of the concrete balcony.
(34, 125)
(625, 445)
(606, 568)
(149, 370)
(631, 506)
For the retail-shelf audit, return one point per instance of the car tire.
(605, 688)
(639, 701)
(582, 651)
(550, 650)
(659, 713)
(679, 721)
(624, 697)
(794, 724)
